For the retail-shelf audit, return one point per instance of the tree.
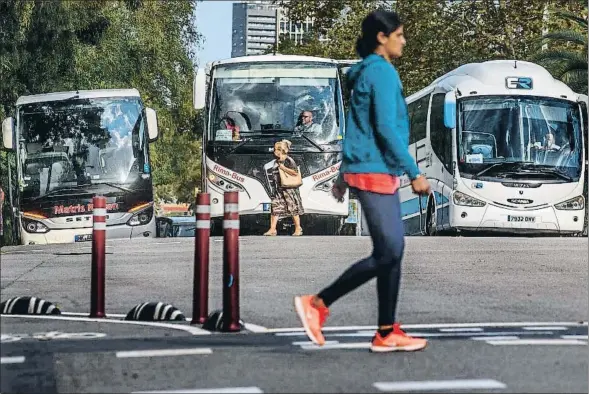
(441, 36)
(62, 45)
(565, 55)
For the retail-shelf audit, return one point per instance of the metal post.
(200, 297)
(98, 260)
(231, 263)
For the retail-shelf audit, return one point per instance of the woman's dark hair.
(374, 23)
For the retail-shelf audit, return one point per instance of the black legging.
(383, 214)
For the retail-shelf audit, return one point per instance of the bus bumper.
(496, 219)
(82, 235)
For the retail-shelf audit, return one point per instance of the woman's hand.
(420, 185)
(339, 190)
(287, 170)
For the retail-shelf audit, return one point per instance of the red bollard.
(98, 260)
(200, 297)
(231, 263)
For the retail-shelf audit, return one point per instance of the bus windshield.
(250, 101)
(520, 137)
(81, 142)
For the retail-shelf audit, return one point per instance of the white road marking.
(164, 352)
(463, 329)
(444, 334)
(537, 341)
(305, 343)
(436, 325)
(182, 327)
(255, 328)
(459, 384)
(574, 337)
(12, 360)
(498, 338)
(329, 346)
(228, 390)
(117, 315)
(554, 328)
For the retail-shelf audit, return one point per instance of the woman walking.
(286, 200)
(375, 155)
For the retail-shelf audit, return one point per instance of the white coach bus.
(502, 145)
(252, 102)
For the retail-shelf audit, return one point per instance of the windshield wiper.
(496, 165)
(113, 185)
(316, 145)
(63, 192)
(543, 169)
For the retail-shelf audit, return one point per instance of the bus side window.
(441, 137)
(419, 119)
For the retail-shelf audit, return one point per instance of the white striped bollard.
(98, 257)
(200, 293)
(231, 263)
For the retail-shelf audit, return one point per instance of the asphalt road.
(501, 314)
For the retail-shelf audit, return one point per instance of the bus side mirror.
(450, 110)
(151, 124)
(199, 89)
(7, 133)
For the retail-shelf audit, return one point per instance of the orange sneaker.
(396, 341)
(312, 318)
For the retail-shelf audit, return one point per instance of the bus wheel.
(430, 224)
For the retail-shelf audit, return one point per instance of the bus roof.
(56, 96)
(271, 58)
(490, 78)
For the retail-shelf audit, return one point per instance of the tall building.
(254, 28)
(259, 25)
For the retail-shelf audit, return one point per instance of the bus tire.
(430, 222)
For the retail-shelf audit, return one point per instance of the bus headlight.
(574, 204)
(222, 183)
(33, 226)
(141, 218)
(466, 200)
(326, 185)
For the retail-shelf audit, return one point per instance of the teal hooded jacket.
(377, 123)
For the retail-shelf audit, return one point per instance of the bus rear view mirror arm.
(450, 110)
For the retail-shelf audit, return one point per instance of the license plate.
(266, 207)
(83, 237)
(525, 219)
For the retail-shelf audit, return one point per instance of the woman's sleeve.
(385, 100)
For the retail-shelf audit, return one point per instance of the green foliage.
(60, 45)
(565, 51)
(440, 35)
